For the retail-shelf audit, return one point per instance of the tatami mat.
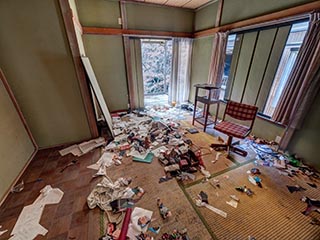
(271, 213)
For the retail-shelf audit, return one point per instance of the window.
(227, 64)
(258, 64)
(289, 55)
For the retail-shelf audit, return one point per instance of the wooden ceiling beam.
(118, 31)
(302, 9)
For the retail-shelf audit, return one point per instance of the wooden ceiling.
(192, 4)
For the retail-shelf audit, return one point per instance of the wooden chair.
(236, 111)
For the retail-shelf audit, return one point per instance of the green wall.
(98, 13)
(305, 141)
(201, 55)
(36, 59)
(236, 10)
(152, 17)
(107, 59)
(15, 145)
(206, 17)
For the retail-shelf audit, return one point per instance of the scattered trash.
(251, 238)
(203, 197)
(27, 226)
(192, 130)
(164, 211)
(73, 162)
(83, 148)
(179, 235)
(232, 203)
(3, 231)
(255, 171)
(215, 183)
(155, 230)
(312, 185)
(255, 180)
(295, 188)
(139, 221)
(107, 191)
(312, 205)
(314, 221)
(199, 203)
(246, 190)
(234, 197)
(18, 188)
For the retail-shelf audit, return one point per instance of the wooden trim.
(18, 177)
(119, 31)
(219, 13)
(81, 76)
(123, 13)
(302, 9)
(18, 109)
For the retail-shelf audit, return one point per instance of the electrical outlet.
(278, 139)
(119, 21)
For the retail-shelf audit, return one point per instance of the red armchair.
(236, 111)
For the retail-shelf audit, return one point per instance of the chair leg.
(230, 147)
(229, 143)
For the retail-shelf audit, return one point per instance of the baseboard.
(64, 144)
(19, 176)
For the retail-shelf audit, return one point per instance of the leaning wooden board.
(96, 88)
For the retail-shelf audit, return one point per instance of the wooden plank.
(97, 91)
(302, 9)
(81, 76)
(116, 31)
(219, 13)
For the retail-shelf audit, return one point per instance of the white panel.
(97, 91)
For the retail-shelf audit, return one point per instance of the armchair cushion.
(232, 129)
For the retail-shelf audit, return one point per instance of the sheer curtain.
(218, 56)
(134, 71)
(303, 83)
(180, 74)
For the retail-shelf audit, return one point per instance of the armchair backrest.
(241, 111)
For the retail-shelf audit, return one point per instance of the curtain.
(218, 56)
(303, 83)
(180, 74)
(134, 71)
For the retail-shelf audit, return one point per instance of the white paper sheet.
(134, 228)
(28, 226)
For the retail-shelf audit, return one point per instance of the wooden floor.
(71, 218)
